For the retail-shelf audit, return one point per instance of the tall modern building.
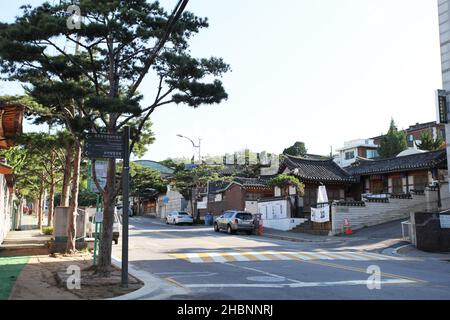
(444, 30)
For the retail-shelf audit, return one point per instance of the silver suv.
(233, 221)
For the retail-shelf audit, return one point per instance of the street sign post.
(115, 146)
(104, 146)
(126, 204)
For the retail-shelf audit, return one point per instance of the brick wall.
(428, 233)
(234, 198)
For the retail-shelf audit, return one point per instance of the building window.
(334, 194)
(442, 134)
(371, 154)
(420, 182)
(250, 196)
(411, 138)
(397, 185)
(350, 155)
(378, 185)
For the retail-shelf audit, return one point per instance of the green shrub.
(48, 231)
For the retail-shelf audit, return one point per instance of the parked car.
(117, 226)
(234, 221)
(179, 217)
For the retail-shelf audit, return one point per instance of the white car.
(117, 227)
(179, 217)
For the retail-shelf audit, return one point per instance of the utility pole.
(126, 204)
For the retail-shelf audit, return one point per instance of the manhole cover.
(266, 279)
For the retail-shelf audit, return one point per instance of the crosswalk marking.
(251, 256)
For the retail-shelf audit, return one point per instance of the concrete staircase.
(378, 213)
(29, 239)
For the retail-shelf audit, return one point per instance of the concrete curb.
(292, 239)
(154, 287)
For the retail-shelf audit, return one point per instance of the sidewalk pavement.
(411, 251)
(25, 239)
(302, 237)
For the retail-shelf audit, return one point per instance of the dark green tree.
(297, 150)
(393, 142)
(96, 88)
(429, 144)
(190, 181)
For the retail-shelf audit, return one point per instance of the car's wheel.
(249, 233)
(229, 230)
(216, 227)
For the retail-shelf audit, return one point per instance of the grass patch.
(10, 268)
(48, 231)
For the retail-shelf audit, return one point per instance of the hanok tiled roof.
(417, 161)
(217, 186)
(316, 170)
(156, 166)
(220, 186)
(253, 182)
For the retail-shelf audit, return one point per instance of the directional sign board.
(441, 103)
(101, 168)
(104, 146)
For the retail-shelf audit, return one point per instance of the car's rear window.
(244, 216)
(183, 213)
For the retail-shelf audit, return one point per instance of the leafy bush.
(48, 231)
(284, 180)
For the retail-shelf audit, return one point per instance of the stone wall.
(378, 213)
(428, 234)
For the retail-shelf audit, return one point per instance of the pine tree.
(393, 142)
(429, 144)
(96, 88)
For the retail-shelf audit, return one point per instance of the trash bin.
(209, 219)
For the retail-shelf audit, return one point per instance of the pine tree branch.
(174, 18)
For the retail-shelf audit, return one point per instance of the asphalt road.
(217, 266)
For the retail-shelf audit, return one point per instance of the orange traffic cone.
(347, 229)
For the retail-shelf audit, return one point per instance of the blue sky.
(321, 72)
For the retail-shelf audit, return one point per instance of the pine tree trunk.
(73, 210)
(51, 203)
(104, 261)
(67, 177)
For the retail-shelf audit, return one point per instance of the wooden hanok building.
(315, 172)
(239, 194)
(11, 118)
(400, 175)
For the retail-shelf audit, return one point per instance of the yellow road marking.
(387, 275)
(250, 256)
(293, 256)
(174, 282)
(206, 257)
(228, 258)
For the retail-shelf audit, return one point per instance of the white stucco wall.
(275, 215)
(176, 203)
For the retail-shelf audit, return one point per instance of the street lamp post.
(195, 146)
